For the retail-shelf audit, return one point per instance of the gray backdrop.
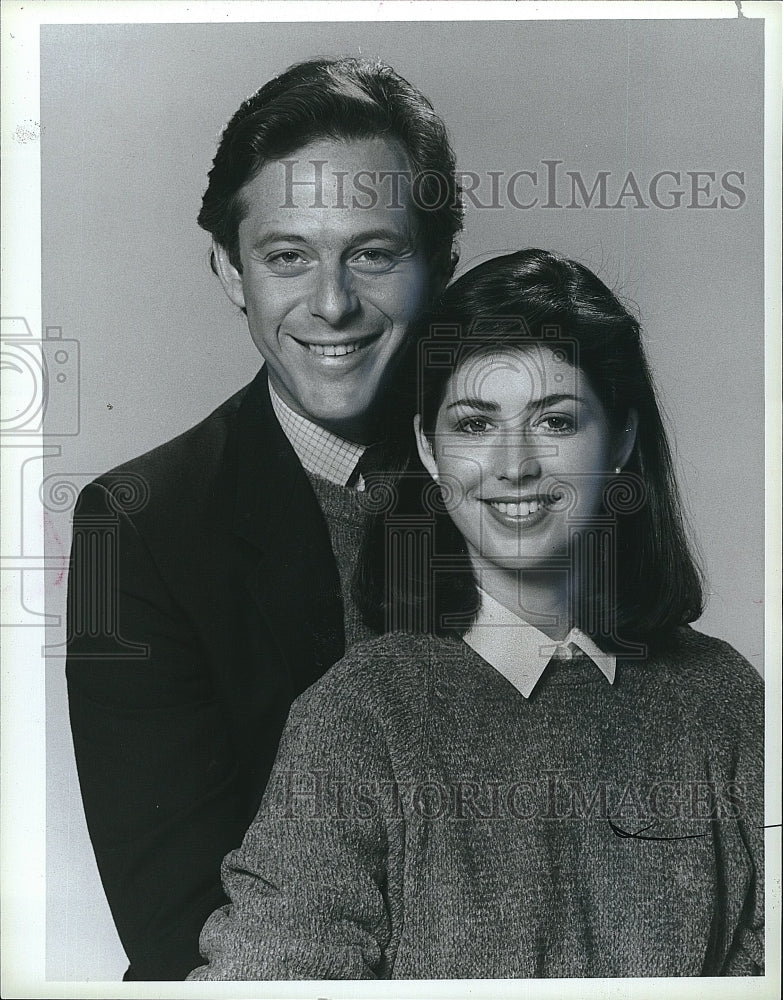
(131, 115)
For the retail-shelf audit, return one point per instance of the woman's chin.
(518, 563)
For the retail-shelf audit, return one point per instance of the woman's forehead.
(530, 372)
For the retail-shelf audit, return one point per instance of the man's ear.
(626, 439)
(230, 278)
(441, 271)
(425, 449)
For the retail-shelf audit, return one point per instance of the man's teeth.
(521, 509)
(335, 350)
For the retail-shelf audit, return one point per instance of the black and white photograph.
(391, 499)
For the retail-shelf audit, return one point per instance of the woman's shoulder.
(713, 678)
(390, 668)
(396, 659)
(705, 656)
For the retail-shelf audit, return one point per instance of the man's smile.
(332, 349)
(337, 349)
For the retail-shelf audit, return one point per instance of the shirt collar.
(320, 452)
(521, 652)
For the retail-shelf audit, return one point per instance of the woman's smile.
(521, 513)
(526, 444)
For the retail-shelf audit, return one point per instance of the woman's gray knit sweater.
(424, 820)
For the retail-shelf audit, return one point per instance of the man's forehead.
(366, 176)
(372, 153)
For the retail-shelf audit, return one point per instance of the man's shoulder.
(178, 456)
(181, 473)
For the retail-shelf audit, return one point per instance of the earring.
(436, 476)
(617, 470)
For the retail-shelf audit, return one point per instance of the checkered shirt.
(320, 452)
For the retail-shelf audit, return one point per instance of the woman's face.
(522, 449)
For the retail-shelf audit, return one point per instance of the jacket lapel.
(295, 583)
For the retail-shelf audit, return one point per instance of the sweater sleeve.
(309, 886)
(725, 698)
(745, 956)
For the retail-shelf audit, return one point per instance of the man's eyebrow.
(279, 236)
(364, 235)
(354, 239)
(475, 403)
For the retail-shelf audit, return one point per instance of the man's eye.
(287, 260)
(373, 259)
(473, 425)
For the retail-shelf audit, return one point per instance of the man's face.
(330, 286)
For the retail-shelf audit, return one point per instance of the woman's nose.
(517, 459)
(333, 298)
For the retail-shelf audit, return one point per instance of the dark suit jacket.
(203, 599)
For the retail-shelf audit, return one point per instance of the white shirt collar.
(520, 651)
(320, 452)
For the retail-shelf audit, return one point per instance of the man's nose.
(333, 298)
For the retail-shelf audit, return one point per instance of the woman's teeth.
(335, 350)
(521, 509)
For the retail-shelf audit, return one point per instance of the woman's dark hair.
(345, 99)
(650, 582)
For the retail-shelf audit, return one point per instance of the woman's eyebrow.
(474, 403)
(553, 399)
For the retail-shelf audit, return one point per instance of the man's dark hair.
(518, 300)
(347, 99)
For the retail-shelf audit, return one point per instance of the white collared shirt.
(520, 651)
(320, 452)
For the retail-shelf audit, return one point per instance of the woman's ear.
(230, 277)
(425, 449)
(626, 439)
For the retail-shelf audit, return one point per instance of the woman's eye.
(557, 423)
(473, 425)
